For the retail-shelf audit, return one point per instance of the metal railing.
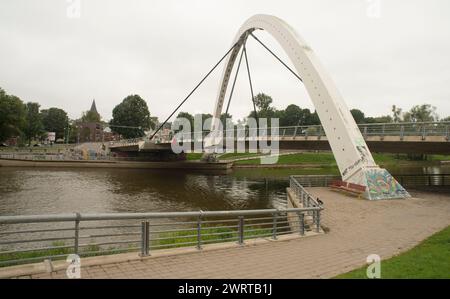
(401, 130)
(315, 180)
(34, 238)
(423, 180)
(126, 142)
(306, 200)
(52, 157)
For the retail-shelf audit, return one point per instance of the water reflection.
(40, 191)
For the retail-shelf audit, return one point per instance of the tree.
(396, 114)
(290, 116)
(12, 116)
(131, 117)
(224, 117)
(421, 113)
(55, 120)
(446, 118)
(187, 116)
(33, 126)
(90, 117)
(313, 119)
(379, 119)
(263, 102)
(358, 115)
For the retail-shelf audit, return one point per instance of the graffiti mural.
(382, 185)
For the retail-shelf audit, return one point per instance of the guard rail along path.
(35, 238)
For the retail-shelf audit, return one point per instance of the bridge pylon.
(354, 160)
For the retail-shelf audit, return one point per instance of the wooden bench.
(351, 188)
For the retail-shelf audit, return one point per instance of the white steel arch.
(352, 155)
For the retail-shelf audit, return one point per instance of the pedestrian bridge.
(410, 138)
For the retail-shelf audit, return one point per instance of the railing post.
(199, 232)
(365, 132)
(383, 130)
(402, 132)
(274, 225)
(295, 132)
(241, 230)
(447, 133)
(77, 232)
(145, 238)
(301, 223)
(424, 132)
(317, 220)
(304, 203)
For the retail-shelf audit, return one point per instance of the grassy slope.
(429, 259)
(324, 158)
(309, 158)
(327, 158)
(230, 156)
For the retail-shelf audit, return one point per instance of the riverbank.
(192, 165)
(288, 160)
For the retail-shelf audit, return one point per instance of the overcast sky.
(161, 49)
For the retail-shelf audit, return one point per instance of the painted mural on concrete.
(382, 185)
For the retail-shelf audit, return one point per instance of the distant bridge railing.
(423, 180)
(34, 238)
(401, 130)
(406, 180)
(126, 142)
(381, 130)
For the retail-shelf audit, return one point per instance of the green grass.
(174, 239)
(230, 156)
(36, 254)
(300, 158)
(327, 158)
(324, 158)
(87, 251)
(439, 157)
(429, 259)
(194, 156)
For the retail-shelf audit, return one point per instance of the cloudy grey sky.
(161, 49)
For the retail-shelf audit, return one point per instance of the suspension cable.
(234, 82)
(251, 85)
(195, 88)
(278, 58)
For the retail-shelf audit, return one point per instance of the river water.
(26, 191)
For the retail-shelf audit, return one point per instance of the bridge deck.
(385, 228)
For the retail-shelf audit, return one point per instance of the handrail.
(382, 129)
(86, 233)
(140, 216)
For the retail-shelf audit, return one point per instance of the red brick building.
(94, 131)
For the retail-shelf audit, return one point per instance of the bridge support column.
(380, 184)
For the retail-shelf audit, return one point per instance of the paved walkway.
(357, 228)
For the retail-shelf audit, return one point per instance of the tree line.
(293, 115)
(131, 118)
(27, 122)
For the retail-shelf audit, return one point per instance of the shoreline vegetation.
(429, 259)
(165, 240)
(315, 159)
(308, 162)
